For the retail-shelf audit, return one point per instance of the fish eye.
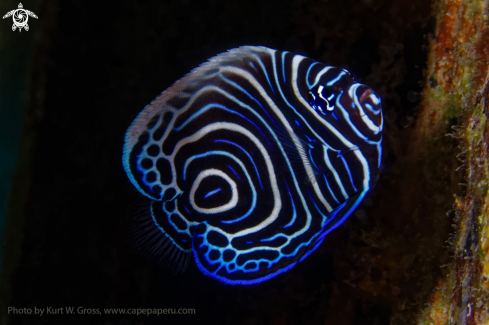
(322, 100)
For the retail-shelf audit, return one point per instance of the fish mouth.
(365, 95)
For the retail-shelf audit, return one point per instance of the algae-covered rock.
(458, 65)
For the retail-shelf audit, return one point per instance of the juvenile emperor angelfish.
(250, 160)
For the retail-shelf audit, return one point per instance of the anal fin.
(342, 212)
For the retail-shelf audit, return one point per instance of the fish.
(249, 161)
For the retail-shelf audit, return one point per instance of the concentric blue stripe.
(247, 154)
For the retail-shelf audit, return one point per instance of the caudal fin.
(157, 240)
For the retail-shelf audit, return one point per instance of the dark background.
(99, 63)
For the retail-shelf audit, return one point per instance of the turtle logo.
(20, 17)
